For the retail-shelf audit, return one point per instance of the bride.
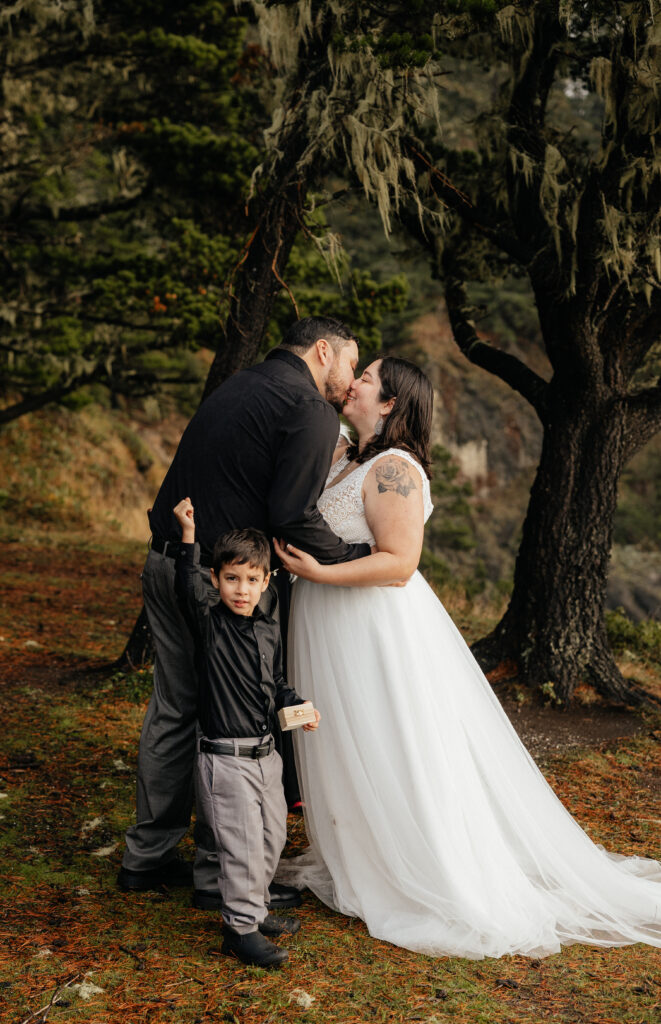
(426, 816)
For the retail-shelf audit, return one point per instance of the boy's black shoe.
(275, 925)
(281, 897)
(253, 949)
(177, 873)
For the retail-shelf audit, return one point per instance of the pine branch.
(59, 391)
(501, 364)
(119, 322)
(135, 384)
(53, 309)
(88, 211)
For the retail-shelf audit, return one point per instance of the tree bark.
(139, 648)
(554, 627)
(259, 281)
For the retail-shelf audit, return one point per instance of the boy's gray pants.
(244, 802)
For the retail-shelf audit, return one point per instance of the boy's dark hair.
(242, 546)
(302, 335)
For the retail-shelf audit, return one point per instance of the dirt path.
(547, 731)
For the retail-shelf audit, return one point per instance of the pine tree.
(129, 133)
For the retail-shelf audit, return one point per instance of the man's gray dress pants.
(167, 752)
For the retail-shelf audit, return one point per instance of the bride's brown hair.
(408, 424)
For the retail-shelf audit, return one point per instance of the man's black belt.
(170, 548)
(227, 747)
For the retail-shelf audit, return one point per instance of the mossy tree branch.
(508, 368)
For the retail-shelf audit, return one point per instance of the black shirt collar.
(292, 360)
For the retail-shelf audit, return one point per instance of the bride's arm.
(394, 511)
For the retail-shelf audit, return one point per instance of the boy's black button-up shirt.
(257, 453)
(238, 659)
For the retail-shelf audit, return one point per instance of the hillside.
(94, 471)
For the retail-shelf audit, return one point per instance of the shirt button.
(263, 657)
(264, 728)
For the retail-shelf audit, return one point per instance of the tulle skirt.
(426, 816)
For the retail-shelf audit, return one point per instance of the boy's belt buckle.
(262, 749)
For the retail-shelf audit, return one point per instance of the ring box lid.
(295, 716)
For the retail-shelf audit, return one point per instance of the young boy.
(239, 772)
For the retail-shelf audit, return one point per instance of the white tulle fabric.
(426, 816)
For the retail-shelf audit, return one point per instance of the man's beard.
(335, 390)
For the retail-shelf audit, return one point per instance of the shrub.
(640, 639)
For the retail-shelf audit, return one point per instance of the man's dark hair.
(242, 546)
(302, 335)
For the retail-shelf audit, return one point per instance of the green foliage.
(641, 640)
(434, 568)
(450, 533)
(362, 302)
(555, 149)
(120, 229)
(505, 308)
(134, 687)
(549, 695)
(320, 287)
(638, 516)
(451, 523)
(507, 138)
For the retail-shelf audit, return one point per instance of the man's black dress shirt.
(238, 659)
(257, 453)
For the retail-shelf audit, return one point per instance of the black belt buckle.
(261, 750)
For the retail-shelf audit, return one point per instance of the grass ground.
(75, 949)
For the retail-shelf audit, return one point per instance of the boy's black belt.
(170, 548)
(227, 747)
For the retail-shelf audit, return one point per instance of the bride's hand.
(297, 561)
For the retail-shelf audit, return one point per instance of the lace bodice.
(342, 506)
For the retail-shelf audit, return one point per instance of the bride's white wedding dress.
(426, 816)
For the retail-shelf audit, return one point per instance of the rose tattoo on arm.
(393, 475)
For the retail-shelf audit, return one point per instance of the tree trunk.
(139, 650)
(554, 628)
(260, 279)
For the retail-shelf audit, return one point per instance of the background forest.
(472, 184)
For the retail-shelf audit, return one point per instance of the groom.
(256, 453)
